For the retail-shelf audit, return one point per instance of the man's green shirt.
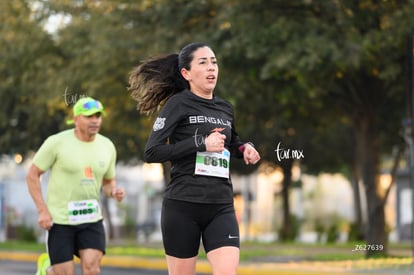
(77, 169)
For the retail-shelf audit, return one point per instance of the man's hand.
(118, 194)
(45, 220)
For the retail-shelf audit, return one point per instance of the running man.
(82, 164)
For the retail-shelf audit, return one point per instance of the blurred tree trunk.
(286, 232)
(367, 143)
(359, 221)
(356, 185)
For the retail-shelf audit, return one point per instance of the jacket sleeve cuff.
(243, 147)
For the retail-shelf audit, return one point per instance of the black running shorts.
(64, 241)
(184, 223)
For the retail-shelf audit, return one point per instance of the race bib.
(213, 164)
(83, 211)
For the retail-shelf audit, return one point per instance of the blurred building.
(325, 199)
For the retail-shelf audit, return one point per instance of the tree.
(345, 55)
(28, 62)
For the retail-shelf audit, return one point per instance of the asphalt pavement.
(26, 268)
(19, 263)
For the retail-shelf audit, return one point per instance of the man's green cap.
(86, 106)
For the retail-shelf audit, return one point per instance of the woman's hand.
(250, 155)
(215, 142)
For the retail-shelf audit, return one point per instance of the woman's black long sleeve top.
(179, 133)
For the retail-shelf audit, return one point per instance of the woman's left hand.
(250, 154)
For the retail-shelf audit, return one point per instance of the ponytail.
(154, 81)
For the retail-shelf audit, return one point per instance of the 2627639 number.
(368, 247)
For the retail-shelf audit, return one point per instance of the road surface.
(26, 268)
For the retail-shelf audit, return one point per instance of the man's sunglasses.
(92, 104)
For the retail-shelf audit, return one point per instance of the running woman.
(195, 131)
(81, 163)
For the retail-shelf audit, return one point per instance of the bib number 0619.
(215, 161)
(215, 164)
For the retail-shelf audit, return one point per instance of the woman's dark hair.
(155, 80)
(187, 54)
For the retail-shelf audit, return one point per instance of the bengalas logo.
(159, 124)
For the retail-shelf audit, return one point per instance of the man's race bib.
(83, 211)
(213, 164)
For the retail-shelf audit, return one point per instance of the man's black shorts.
(64, 241)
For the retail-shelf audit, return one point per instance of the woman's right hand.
(215, 142)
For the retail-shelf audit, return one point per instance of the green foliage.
(328, 227)
(333, 233)
(24, 233)
(293, 60)
(20, 245)
(355, 233)
(29, 59)
(293, 233)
